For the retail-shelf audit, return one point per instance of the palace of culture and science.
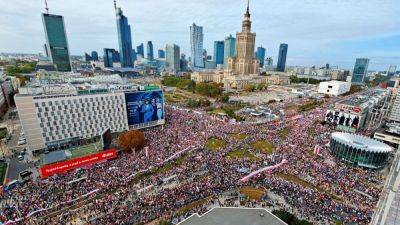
(241, 69)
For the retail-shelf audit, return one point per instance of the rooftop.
(234, 216)
(368, 98)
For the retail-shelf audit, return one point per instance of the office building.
(116, 56)
(150, 52)
(95, 56)
(327, 66)
(140, 50)
(56, 41)
(219, 47)
(172, 57)
(88, 57)
(261, 55)
(108, 57)
(283, 49)
(161, 54)
(196, 45)
(360, 71)
(134, 55)
(124, 39)
(229, 50)
(63, 113)
(183, 63)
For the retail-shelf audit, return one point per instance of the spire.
(248, 9)
(115, 4)
(46, 6)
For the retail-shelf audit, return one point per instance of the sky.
(317, 31)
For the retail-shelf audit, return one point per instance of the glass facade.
(360, 71)
(358, 156)
(57, 43)
(108, 57)
(150, 52)
(283, 48)
(173, 57)
(161, 54)
(219, 52)
(229, 51)
(140, 50)
(261, 55)
(196, 45)
(124, 39)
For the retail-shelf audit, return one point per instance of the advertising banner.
(144, 107)
(62, 167)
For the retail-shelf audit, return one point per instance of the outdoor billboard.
(62, 167)
(144, 107)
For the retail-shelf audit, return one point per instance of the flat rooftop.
(234, 216)
(365, 99)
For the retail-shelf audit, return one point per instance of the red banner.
(62, 167)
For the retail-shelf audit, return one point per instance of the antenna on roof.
(46, 6)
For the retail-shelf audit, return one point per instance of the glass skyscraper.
(124, 39)
(261, 55)
(108, 57)
(150, 52)
(95, 56)
(229, 50)
(283, 48)
(196, 45)
(219, 48)
(56, 39)
(360, 71)
(140, 50)
(161, 54)
(172, 57)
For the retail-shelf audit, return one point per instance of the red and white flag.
(317, 150)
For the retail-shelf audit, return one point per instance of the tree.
(225, 98)
(249, 87)
(133, 140)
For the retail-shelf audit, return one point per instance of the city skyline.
(333, 39)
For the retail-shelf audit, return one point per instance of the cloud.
(314, 29)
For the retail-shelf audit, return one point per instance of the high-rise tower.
(196, 45)
(56, 39)
(244, 62)
(124, 38)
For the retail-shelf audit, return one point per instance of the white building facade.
(334, 88)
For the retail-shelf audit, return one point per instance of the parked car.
(20, 157)
(21, 142)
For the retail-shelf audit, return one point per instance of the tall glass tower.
(219, 52)
(283, 48)
(124, 39)
(150, 52)
(229, 50)
(56, 39)
(173, 57)
(140, 50)
(261, 55)
(196, 45)
(360, 71)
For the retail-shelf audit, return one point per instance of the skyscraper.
(229, 50)
(196, 45)
(244, 62)
(134, 55)
(150, 52)
(173, 57)
(283, 48)
(140, 50)
(108, 57)
(219, 48)
(360, 71)
(124, 39)
(56, 39)
(95, 56)
(161, 54)
(261, 55)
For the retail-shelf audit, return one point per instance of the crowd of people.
(132, 189)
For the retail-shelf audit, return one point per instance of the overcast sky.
(317, 31)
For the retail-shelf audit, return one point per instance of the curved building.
(359, 150)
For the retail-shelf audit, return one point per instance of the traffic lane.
(16, 166)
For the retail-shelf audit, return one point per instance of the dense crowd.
(133, 188)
